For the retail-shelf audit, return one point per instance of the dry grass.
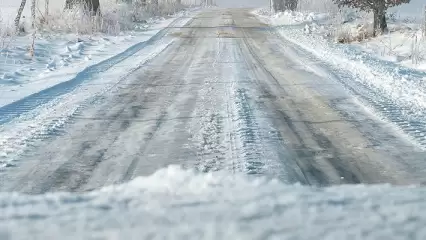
(348, 34)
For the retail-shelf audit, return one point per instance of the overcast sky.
(242, 3)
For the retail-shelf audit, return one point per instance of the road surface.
(227, 94)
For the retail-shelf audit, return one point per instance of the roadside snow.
(389, 86)
(59, 58)
(405, 44)
(181, 204)
(38, 102)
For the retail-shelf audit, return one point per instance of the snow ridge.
(183, 204)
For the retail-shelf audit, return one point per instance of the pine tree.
(378, 7)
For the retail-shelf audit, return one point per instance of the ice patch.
(182, 204)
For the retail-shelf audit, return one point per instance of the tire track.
(413, 124)
(304, 169)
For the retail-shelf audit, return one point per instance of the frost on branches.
(378, 7)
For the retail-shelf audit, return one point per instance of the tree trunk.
(291, 5)
(46, 11)
(92, 5)
(380, 25)
(278, 5)
(424, 26)
(33, 12)
(18, 17)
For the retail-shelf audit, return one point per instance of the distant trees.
(207, 2)
(378, 7)
(282, 5)
(92, 5)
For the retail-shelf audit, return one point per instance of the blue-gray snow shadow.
(25, 105)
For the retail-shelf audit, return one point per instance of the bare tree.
(33, 13)
(46, 11)
(378, 7)
(424, 24)
(18, 17)
(278, 5)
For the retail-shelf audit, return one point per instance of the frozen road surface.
(217, 127)
(216, 91)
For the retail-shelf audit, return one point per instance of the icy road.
(216, 91)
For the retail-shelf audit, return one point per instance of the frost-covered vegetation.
(112, 18)
(402, 41)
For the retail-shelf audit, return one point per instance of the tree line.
(377, 7)
(93, 6)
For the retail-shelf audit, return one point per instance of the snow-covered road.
(221, 91)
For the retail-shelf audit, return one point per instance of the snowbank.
(59, 57)
(393, 87)
(180, 204)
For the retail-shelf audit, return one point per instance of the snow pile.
(181, 204)
(290, 17)
(404, 45)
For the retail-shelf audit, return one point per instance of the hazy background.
(242, 3)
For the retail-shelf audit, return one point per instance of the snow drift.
(181, 204)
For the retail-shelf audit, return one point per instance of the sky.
(242, 3)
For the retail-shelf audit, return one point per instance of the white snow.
(59, 58)
(63, 48)
(181, 204)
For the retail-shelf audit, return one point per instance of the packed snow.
(175, 203)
